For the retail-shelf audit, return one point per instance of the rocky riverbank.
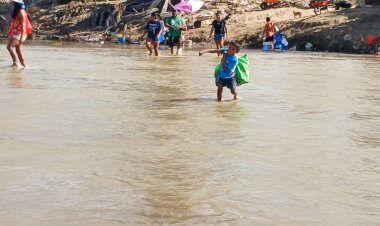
(338, 31)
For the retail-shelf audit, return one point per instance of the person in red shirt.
(269, 32)
(20, 28)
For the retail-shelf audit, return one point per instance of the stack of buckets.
(266, 45)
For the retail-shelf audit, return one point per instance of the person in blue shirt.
(153, 29)
(227, 73)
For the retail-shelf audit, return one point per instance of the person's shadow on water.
(18, 78)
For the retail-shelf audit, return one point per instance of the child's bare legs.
(20, 55)
(219, 93)
(10, 47)
(219, 44)
(234, 93)
(156, 45)
(179, 47)
(149, 46)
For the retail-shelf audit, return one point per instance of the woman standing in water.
(219, 30)
(19, 30)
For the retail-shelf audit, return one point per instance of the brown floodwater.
(106, 135)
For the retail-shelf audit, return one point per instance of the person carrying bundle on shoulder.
(226, 76)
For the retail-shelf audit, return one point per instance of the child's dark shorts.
(174, 41)
(269, 39)
(153, 38)
(230, 83)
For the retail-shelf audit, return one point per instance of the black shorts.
(152, 38)
(269, 39)
(230, 83)
(174, 40)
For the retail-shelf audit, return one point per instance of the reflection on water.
(102, 135)
(18, 78)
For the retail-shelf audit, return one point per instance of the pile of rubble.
(83, 20)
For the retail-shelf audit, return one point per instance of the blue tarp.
(280, 42)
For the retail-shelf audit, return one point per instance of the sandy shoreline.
(334, 31)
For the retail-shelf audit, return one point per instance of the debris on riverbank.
(338, 31)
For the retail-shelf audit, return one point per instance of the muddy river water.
(106, 135)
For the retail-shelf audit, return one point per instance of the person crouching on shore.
(153, 29)
(227, 73)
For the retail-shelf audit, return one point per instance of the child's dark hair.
(267, 19)
(16, 9)
(159, 16)
(154, 14)
(237, 45)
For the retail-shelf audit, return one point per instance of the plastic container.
(371, 39)
(309, 46)
(266, 46)
(121, 40)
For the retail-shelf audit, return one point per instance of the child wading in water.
(154, 29)
(19, 30)
(226, 75)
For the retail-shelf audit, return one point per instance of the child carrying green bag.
(242, 70)
(231, 71)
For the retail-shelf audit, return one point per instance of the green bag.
(242, 70)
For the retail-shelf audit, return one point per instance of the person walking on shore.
(269, 32)
(176, 25)
(20, 28)
(219, 30)
(153, 29)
